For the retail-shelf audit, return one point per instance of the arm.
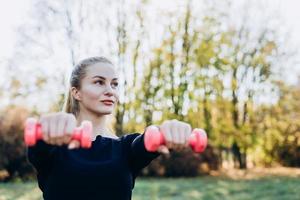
(41, 156)
(176, 134)
(138, 156)
(56, 130)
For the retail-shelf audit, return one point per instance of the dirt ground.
(255, 173)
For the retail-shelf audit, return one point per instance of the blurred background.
(231, 67)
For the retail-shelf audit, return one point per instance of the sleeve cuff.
(139, 150)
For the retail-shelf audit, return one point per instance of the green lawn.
(267, 188)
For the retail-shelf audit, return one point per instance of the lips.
(108, 102)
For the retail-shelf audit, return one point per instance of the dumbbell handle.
(33, 132)
(153, 138)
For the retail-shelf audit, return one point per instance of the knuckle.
(173, 121)
(44, 119)
(53, 136)
(167, 121)
(71, 119)
(70, 116)
(62, 115)
(188, 126)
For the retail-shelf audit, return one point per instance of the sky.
(14, 13)
(290, 11)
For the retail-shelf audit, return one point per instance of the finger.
(74, 144)
(181, 144)
(71, 124)
(60, 131)
(188, 131)
(53, 129)
(66, 139)
(164, 129)
(45, 127)
(51, 141)
(61, 124)
(182, 130)
(175, 133)
(177, 148)
(163, 149)
(170, 144)
(52, 126)
(60, 140)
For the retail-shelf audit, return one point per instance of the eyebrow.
(101, 77)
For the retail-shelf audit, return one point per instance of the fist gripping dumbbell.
(33, 132)
(154, 138)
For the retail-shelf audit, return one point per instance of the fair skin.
(101, 83)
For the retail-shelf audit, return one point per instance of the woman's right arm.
(41, 155)
(56, 129)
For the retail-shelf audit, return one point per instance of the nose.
(108, 91)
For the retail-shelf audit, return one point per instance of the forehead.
(105, 70)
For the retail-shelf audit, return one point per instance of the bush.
(13, 158)
(289, 155)
(185, 163)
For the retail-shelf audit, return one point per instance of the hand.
(176, 134)
(57, 129)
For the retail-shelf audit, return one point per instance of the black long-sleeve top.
(106, 171)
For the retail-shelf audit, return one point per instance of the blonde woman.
(108, 169)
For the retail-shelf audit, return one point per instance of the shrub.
(13, 158)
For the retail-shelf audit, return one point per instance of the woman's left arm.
(176, 134)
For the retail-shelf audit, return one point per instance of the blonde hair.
(71, 105)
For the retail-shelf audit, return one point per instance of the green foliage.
(280, 136)
(197, 71)
(191, 64)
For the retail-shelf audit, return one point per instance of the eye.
(115, 84)
(99, 82)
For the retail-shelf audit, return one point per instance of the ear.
(76, 93)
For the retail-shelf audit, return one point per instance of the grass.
(266, 188)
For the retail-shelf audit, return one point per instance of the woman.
(108, 169)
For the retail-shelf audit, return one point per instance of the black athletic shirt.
(106, 171)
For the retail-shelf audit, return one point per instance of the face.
(99, 89)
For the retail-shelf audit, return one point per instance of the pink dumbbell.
(154, 138)
(33, 132)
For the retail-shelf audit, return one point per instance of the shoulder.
(126, 139)
(129, 138)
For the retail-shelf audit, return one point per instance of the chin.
(104, 112)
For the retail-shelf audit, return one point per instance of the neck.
(98, 121)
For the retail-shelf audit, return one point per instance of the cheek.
(117, 96)
(91, 93)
